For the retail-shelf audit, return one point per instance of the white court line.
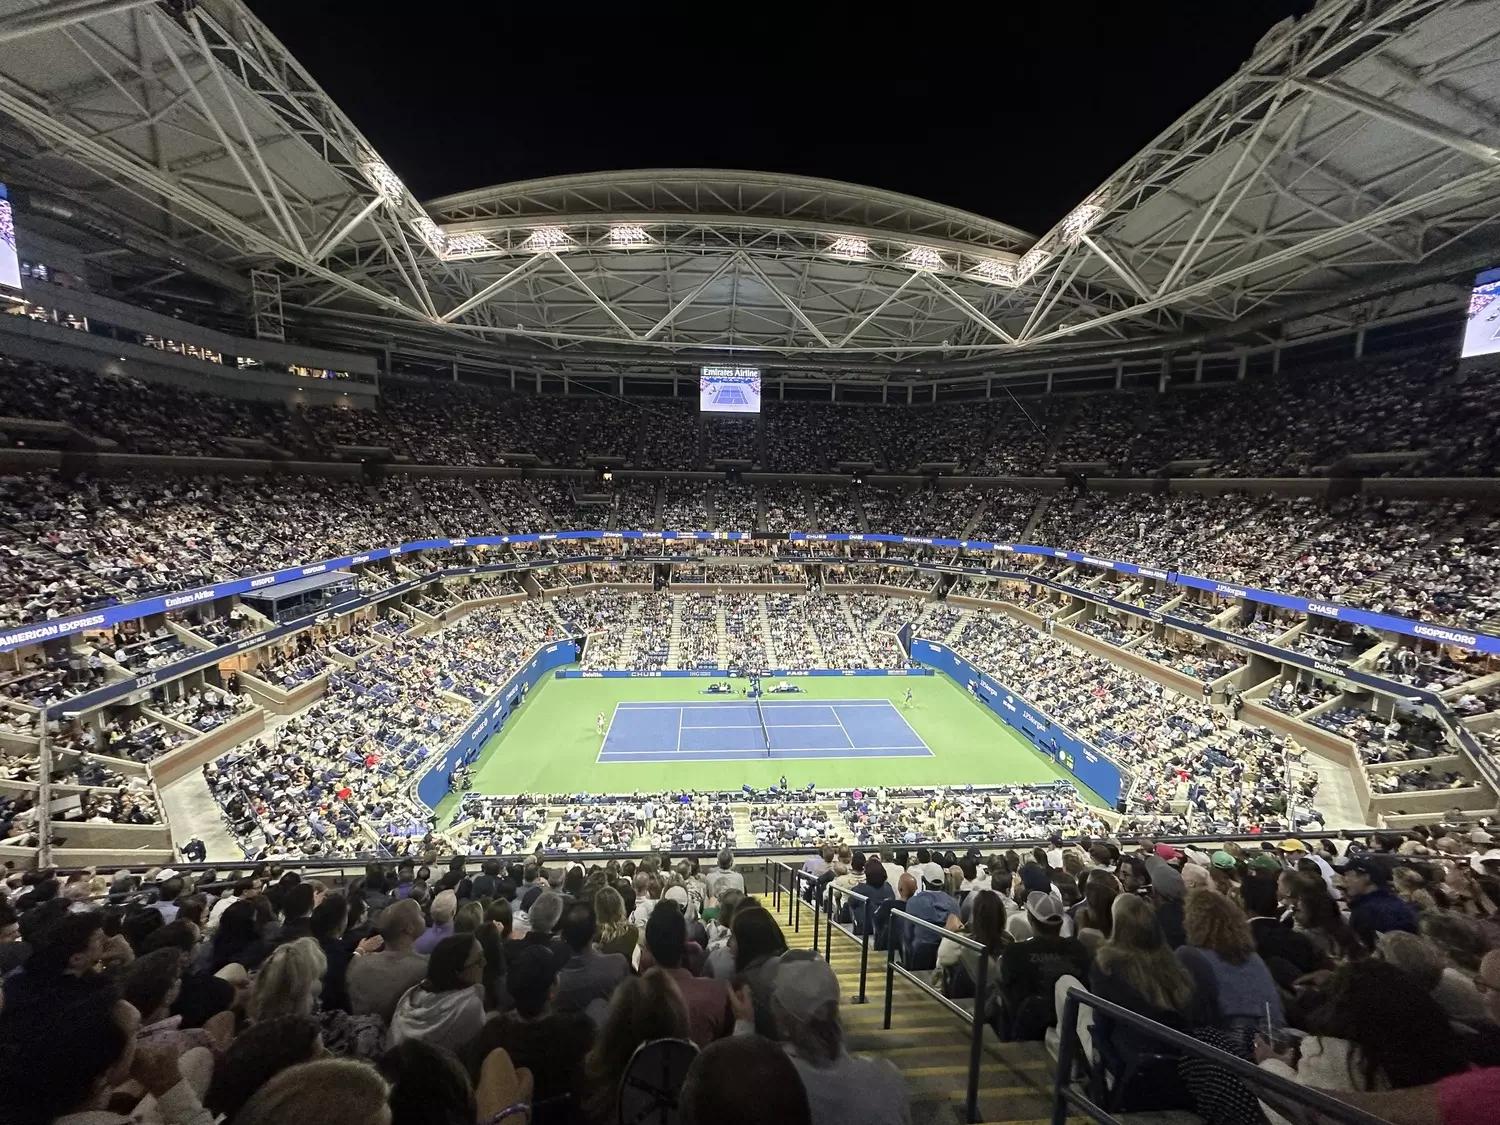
(853, 752)
(843, 728)
(721, 726)
(679, 729)
(698, 704)
(793, 726)
(904, 721)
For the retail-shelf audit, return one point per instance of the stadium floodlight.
(849, 248)
(923, 258)
(468, 244)
(1031, 261)
(432, 234)
(384, 181)
(547, 238)
(625, 237)
(992, 271)
(1079, 221)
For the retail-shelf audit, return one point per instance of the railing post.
(890, 968)
(817, 905)
(976, 1041)
(796, 893)
(828, 925)
(1067, 1034)
(864, 964)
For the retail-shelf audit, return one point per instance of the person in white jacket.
(1378, 1030)
(446, 1009)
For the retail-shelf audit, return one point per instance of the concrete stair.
(765, 631)
(674, 642)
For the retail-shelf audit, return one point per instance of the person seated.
(327, 1091)
(446, 1008)
(1229, 975)
(258, 1054)
(643, 1009)
(707, 1000)
(1378, 1029)
(290, 983)
(743, 1080)
(376, 981)
(1374, 908)
(62, 1061)
(588, 978)
(919, 945)
(1418, 957)
(1136, 969)
(960, 964)
(1030, 969)
(840, 1087)
(1288, 954)
(551, 1045)
(876, 889)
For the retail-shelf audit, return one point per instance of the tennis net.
(764, 732)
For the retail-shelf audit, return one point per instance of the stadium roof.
(1353, 158)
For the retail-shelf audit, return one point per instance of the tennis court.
(660, 731)
(728, 394)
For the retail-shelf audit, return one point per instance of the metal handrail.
(1066, 1096)
(336, 863)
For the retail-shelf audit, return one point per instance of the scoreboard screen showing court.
(729, 390)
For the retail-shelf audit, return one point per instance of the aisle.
(192, 811)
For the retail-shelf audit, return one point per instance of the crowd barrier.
(1086, 762)
(110, 615)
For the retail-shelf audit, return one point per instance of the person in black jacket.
(1374, 908)
(1287, 953)
(877, 890)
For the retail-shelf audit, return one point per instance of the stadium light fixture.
(849, 248)
(384, 181)
(626, 237)
(923, 258)
(992, 271)
(468, 244)
(432, 234)
(1079, 221)
(546, 238)
(1031, 261)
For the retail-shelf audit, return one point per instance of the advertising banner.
(1089, 765)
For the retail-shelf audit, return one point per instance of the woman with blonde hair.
(615, 933)
(468, 918)
(289, 984)
(643, 1008)
(1229, 974)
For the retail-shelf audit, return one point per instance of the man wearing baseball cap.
(1374, 908)
(1030, 969)
(840, 1087)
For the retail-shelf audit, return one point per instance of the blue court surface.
(731, 729)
